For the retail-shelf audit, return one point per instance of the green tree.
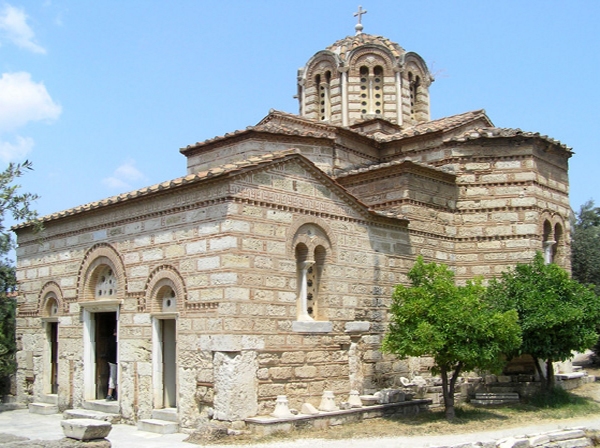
(452, 324)
(585, 245)
(557, 315)
(16, 205)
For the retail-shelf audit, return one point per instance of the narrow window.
(364, 90)
(378, 90)
(548, 243)
(413, 84)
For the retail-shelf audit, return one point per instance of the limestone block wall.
(319, 151)
(233, 267)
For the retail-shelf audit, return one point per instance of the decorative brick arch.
(371, 56)
(161, 277)
(295, 236)
(320, 63)
(50, 300)
(95, 258)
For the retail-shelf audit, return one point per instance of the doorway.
(105, 348)
(165, 363)
(52, 329)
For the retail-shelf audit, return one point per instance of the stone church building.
(267, 269)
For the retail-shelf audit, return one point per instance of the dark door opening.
(105, 349)
(53, 342)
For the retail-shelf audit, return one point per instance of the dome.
(364, 77)
(344, 46)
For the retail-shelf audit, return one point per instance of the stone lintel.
(357, 327)
(312, 326)
(230, 342)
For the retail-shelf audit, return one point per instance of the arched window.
(371, 90)
(323, 84)
(311, 247)
(413, 84)
(548, 242)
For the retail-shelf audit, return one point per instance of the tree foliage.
(16, 205)
(557, 315)
(585, 245)
(452, 324)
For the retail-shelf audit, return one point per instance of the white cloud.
(124, 176)
(13, 24)
(17, 150)
(23, 100)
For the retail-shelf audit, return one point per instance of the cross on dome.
(359, 27)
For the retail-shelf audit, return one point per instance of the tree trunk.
(448, 388)
(448, 397)
(550, 379)
(543, 382)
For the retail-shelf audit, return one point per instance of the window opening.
(324, 91)
(414, 83)
(106, 286)
(548, 243)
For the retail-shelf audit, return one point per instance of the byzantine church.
(267, 268)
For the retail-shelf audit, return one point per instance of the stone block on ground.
(210, 432)
(86, 429)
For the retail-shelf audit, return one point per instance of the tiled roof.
(343, 46)
(230, 168)
(380, 166)
(283, 123)
(441, 124)
(277, 122)
(492, 132)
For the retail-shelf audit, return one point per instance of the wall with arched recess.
(159, 278)
(50, 293)
(100, 255)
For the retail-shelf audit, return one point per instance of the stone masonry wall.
(239, 276)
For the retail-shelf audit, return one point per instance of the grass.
(537, 410)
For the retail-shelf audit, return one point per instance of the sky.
(101, 95)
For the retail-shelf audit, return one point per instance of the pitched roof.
(493, 132)
(407, 161)
(277, 122)
(229, 169)
(440, 125)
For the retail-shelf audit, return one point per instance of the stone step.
(91, 415)
(167, 414)
(569, 376)
(49, 398)
(111, 407)
(157, 426)
(498, 396)
(43, 408)
(491, 402)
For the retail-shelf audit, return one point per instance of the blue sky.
(101, 95)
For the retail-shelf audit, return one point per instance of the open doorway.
(52, 335)
(105, 348)
(165, 363)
